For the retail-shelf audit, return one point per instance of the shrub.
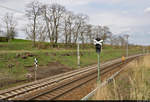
(3, 39)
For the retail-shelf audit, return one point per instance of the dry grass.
(132, 84)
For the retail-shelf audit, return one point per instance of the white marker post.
(143, 50)
(127, 36)
(98, 44)
(78, 54)
(35, 69)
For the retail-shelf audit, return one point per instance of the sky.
(130, 17)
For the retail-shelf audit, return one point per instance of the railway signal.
(35, 70)
(98, 45)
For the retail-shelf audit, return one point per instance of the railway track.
(53, 87)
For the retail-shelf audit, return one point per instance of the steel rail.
(33, 84)
(51, 80)
(85, 80)
(61, 85)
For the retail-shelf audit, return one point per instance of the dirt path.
(51, 69)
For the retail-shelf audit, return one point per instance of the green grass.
(9, 50)
(20, 40)
(16, 44)
(88, 58)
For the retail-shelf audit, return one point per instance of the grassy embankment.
(132, 84)
(10, 50)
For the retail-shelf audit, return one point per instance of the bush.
(3, 39)
(41, 45)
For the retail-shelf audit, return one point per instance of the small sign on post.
(98, 45)
(35, 70)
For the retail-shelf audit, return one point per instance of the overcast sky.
(121, 16)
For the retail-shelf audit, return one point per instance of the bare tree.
(1, 31)
(57, 13)
(89, 33)
(102, 31)
(113, 40)
(47, 18)
(68, 26)
(55, 23)
(83, 33)
(110, 39)
(117, 40)
(105, 33)
(80, 22)
(122, 40)
(33, 12)
(53, 15)
(11, 24)
(29, 31)
(41, 31)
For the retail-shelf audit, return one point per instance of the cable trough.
(56, 86)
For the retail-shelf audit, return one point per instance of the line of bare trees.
(54, 23)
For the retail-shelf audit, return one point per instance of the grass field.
(11, 53)
(132, 84)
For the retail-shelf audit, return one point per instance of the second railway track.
(53, 87)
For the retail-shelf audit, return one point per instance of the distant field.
(19, 44)
(21, 54)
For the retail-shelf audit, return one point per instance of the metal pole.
(143, 51)
(127, 36)
(98, 75)
(101, 85)
(35, 73)
(78, 55)
(127, 46)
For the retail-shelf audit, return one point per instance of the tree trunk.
(34, 34)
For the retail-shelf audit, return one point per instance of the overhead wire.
(11, 9)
